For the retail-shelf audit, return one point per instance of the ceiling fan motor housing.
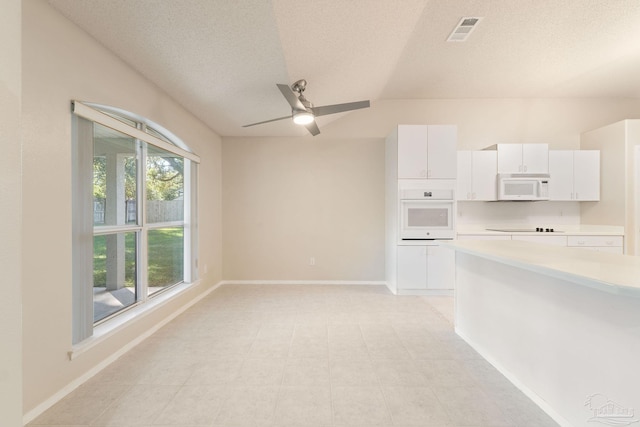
(299, 86)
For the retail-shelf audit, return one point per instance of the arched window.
(134, 214)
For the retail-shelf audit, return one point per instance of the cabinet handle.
(520, 168)
(609, 243)
(581, 242)
(525, 168)
(576, 196)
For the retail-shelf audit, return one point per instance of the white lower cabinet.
(483, 237)
(425, 268)
(547, 240)
(603, 243)
(613, 244)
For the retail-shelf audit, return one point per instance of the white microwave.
(523, 186)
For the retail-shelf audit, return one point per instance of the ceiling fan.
(303, 112)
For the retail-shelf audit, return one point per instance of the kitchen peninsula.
(562, 323)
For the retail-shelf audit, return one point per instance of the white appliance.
(523, 186)
(427, 214)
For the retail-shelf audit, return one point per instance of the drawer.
(613, 241)
(547, 240)
(483, 237)
(609, 249)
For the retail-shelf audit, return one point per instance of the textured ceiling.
(222, 59)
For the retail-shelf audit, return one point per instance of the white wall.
(61, 63)
(542, 214)
(10, 213)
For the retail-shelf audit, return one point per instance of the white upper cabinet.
(575, 175)
(477, 175)
(427, 151)
(523, 158)
(441, 156)
(561, 175)
(586, 175)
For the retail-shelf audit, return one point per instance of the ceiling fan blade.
(339, 108)
(267, 121)
(312, 128)
(291, 97)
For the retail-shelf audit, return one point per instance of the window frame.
(84, 116)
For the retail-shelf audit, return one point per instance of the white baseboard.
(426, 292)
(302, 282)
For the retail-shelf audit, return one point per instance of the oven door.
(426, 219)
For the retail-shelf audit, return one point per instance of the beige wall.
(484, 122)
(619, 185)
(61, 63)
(286, 200)
(10, 213)
(612, 207)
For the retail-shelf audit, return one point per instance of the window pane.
(114, 273)
(166, 262)
(114, 177)
(165, 186)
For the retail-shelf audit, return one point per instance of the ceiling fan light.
(302, 117)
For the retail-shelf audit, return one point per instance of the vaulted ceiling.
(221, 59)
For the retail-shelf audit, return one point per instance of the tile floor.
(298, 356)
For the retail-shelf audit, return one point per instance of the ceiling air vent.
(463, 29)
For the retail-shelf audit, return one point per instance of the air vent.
(463, 29)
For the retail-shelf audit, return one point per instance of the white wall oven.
(427, 214)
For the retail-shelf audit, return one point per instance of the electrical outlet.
(312, 261)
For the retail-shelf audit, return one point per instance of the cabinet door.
(464, 174)
(535, 158)
(441, 156)
(586, 174)
(485, 167)
(483, 237)
(561, 175)
(547, 240)
(412, 267)
(509, 158)
(441, 267)
(412, 151)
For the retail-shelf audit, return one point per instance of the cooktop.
(525, 230)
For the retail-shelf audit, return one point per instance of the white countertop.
(613, 273)
(567, 230)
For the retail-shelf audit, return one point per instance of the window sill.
(105, 330)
